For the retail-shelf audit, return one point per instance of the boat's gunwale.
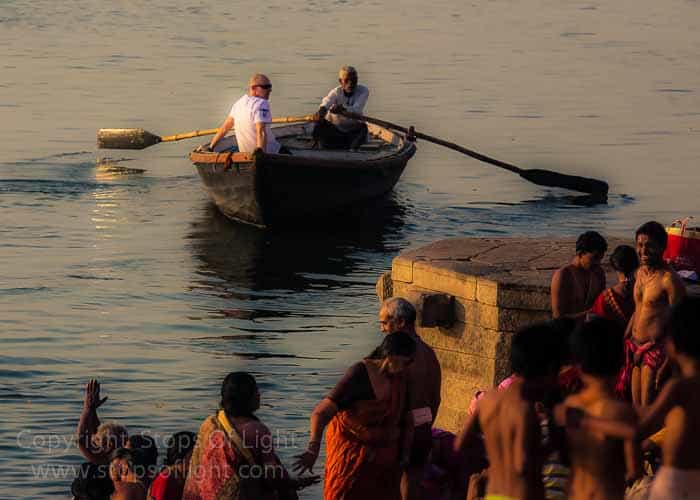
(227, 158)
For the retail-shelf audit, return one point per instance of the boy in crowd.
(508, 418)
(600, 464)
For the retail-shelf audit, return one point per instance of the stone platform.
(471, 295)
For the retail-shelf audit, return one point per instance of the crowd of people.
(599, 397)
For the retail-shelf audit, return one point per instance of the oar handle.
(212, 131)
(435, 140)
(188, 135)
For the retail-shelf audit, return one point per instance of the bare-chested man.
(424, 380)
(656, 289)
(600, 464)
(576, 285)
(509, 421)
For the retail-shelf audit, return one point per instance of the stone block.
(402, 269)
(439, 279)
(384, 286)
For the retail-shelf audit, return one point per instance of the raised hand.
(92, 395)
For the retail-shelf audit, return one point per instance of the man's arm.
(359, 105)
(260, 135)
(675, 288)
(223, 129)
(89, 421)
(559, 302)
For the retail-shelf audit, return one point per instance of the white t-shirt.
(354, 103)
(246, 112)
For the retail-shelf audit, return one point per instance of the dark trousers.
(330, 137)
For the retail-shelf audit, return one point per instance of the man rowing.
(252, 117)
(333, 130)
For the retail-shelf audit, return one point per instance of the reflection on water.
(235, 258)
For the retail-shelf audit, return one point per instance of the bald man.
(252, 117)
(333, 130)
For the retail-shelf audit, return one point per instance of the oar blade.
(548, 178)
(125, 138)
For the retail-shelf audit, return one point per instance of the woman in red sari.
(233, 458)
(617, 303)
(369, 427)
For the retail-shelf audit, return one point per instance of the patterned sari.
(217, 457)
(362, 449)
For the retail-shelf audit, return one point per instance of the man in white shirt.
(252, 117)
(333, 130)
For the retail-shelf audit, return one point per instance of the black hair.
(625, 260)
(597, 347)
(395, 344)
(92, 483)
(683, 325)
(148, 451)
(536, 351)
(562, 330)
(179, 445)
(126, 453)
(591, 242)
(654, 231)
(238, 394)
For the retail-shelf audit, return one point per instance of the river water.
(114, 265)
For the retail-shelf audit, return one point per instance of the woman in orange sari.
(369, 427)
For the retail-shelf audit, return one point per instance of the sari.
(362, 449)
(218, 456)
(613, 306)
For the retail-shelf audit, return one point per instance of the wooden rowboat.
(263, 189)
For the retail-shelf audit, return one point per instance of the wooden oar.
(138, 138)
(538, 176)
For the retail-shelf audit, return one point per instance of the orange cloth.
(362, 449)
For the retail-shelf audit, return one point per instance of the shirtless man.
(424, 380)
(509, 421)
(576, 285)
(656, 289)
(600, 464)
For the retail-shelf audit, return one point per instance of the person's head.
(396, 314)
(624, 260)
(347, 77)
(597, 348)
(683, 327)
(180, 446)
(651, 239)
(239, 395)
(92, 483)
(259, 86)
(396, 352)
(108, 437)
(536, 352)
(590, 248)
(147, 456)
(122, 464)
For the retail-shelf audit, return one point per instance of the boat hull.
(264, 189)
